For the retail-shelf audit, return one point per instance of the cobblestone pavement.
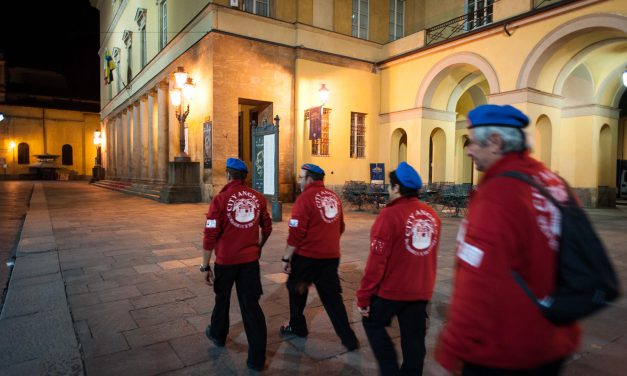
(139, 305)
(14, 197)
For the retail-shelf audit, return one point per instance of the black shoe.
(213, 339)
(254, 367)
(288, 330)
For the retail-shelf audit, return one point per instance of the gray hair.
(513, 138)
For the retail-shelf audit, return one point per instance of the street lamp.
(183, 91)
(97, 171)
(12, 146)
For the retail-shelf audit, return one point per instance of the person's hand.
(287, 266)
(209, 277)
(365, 312)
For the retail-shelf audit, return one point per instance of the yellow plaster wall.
(350, 91)
(414, 16)
(439, 11)
(26, 124)
(342, 13)
(379, 21)
(305, 11)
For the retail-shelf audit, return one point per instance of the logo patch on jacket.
(211, 223)
(329, 206)
(471, 254)
(293, 223)
(421, 233)
(242, 209)
(377, 246)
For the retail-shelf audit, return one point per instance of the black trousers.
(323, 274)
(412, 318)
(248, 285)
(549, 369)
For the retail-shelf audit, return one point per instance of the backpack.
(586, 281)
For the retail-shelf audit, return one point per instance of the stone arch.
(438, 72)
(544, 50)
(437, 156)
(398, 147)
(543, 140)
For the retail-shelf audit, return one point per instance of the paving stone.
(111, 316)
(174, 264)
(82, 300)
(119, 293)
(144, 336)
(161, 298)
(102, 344)
(160, 285)
(147, 268)
(161, 313)
(149, 360)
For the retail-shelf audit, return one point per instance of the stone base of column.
(183, 183)
(97, 173)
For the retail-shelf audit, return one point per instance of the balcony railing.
(473, 20)
(459, 25)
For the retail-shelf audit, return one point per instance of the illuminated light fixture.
(323, 92)
(175, 97)
(97, 138)
(180, 76)
(181, 95)
(12, 144)
(1, 116)
(98, 172)
(625, 77)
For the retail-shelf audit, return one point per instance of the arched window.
(23, 153)
(66, 155)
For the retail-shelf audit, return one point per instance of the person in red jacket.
(493, 327)
(400, 274)
(235, 217)
(312, 255)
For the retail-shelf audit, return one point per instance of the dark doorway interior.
(252, 112)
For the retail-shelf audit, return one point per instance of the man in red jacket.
(312, 255)
(235, 216)
(400, 274)
(493, 327)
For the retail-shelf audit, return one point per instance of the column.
(144, 127)
(162, 131)
(107, 161)
(137, 135)
(128, 161)
(152, 170)
(118, 146)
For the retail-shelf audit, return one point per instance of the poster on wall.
(268, 166)
(207, 144)
(377, 173)
(258, 164)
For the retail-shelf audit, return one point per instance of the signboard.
(377, 173)
(258, 164)
(206, 127)
(266, 163)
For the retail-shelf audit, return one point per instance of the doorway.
(251, 113)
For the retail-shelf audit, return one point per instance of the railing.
(459, 25)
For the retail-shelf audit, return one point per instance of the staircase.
(146, 190)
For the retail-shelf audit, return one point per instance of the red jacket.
(510, 226)
(317, 222)
(233, 221)
(403, 253)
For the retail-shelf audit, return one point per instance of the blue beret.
(236, 164)
(408, 176)
(503, 116)
(313, 168)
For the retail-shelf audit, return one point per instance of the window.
(258, 7)
(479, 13)
(320, 146)
(66, 155)
(140, 18)
(127, 37)
(163, 24)
(358, 135)
(23, 153)
(397, 19)
(360, 19)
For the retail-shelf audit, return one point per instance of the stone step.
(148, 191)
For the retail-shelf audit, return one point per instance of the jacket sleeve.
(342, 224)
(213, 225)
(380, 251)
(265, 221)
(485, 243)
(298, 223)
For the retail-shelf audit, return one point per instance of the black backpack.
(586, 281)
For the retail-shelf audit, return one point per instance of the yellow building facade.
(401, 77)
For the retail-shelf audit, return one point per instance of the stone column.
(152, 170)
(107, 152)
(114, 146)
(118, 146)
(162, 131)
(144, 128)
(137, 136)
(128, 149)
(123, 144)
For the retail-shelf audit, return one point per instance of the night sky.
(61, 36)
